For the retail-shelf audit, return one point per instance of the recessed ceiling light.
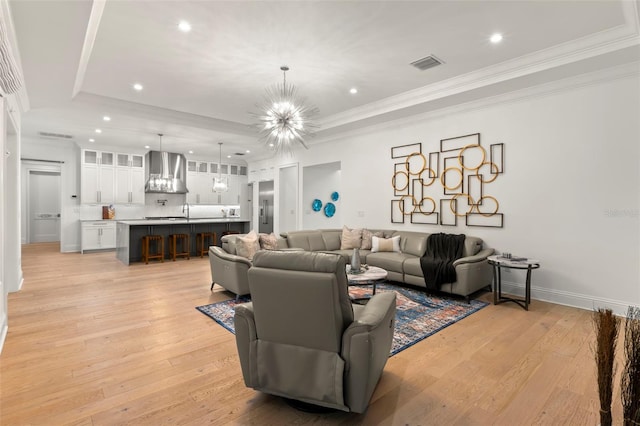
(496, 38)
(190, 152)
(106, 118)
(92, 140)
(98, 131)
(184, 26)
(353, 90)
(147, 147)
(248, 151)
(228, 156)
(271, 145)
(137, 86)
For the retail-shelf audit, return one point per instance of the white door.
(44, 206)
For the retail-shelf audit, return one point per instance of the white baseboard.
(3, 332)
(21, 282)
(70, 248)
(566, 298)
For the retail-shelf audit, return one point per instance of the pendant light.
(220, 183)
(285, 121)
(162, 181)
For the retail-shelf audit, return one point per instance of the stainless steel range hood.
(166, 173)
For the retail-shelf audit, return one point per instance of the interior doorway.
(43, 206)
(265, 206)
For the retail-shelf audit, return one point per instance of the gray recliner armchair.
(229, 271)
(301, 338)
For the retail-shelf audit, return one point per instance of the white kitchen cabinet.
(129, 179)
(200, 176)
(259, 175)
(232, 196)
(98, 235)
(200, 182)
(97, 177)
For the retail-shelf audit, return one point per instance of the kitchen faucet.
(185, 209)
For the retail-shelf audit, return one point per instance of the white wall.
(319, 182)
(570, 192)
(286, 206)
(10, 254)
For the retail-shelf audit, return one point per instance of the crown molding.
(630, 70)
(610, 40)
(163, 114)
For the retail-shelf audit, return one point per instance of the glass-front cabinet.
(107, 178)
(200, 177)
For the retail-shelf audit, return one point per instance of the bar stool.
(184, 246)
(203, 241)
(158, 241)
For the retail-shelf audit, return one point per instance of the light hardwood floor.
(94, 342)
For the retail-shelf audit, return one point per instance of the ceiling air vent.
(239, 153)
(51, 135)
(426, 63)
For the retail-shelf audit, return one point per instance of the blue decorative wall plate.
(329, 209)
(335, 196)
(316, 205)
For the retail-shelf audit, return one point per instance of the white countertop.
(180, 221)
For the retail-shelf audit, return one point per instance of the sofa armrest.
(478, 257)
(246, 338)
(365, 348)
(217, 251)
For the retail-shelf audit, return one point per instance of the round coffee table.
(369, 275)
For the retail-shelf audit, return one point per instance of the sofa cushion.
(385, 244)
(367, 235)
(414, 243)
(346, 254)
(472, 245)
(306, 240)
(412, 267)
(331, 238)
(248, 245)
(228, 243)
(389, 261)
(350, 238)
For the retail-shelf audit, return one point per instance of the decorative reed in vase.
(630, 384)
(606, 326)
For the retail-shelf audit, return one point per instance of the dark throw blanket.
(437, 262)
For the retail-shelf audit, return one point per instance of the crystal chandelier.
(162, 181)
(220, 183)
(285, 119)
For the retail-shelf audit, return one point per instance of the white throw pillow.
(248, 245)
(385, 244)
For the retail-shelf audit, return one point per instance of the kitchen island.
(129, 233)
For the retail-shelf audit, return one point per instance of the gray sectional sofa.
(472, 270)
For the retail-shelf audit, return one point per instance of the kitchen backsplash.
(161, 205)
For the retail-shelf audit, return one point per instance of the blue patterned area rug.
(418, 314)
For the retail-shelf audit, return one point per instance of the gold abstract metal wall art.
(453, 182)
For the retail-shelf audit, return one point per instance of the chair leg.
(145, 251)
(212, 284)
